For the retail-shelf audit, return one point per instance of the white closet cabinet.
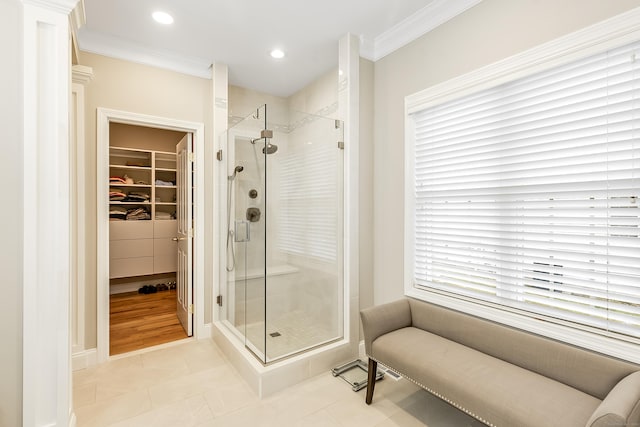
(130, 248)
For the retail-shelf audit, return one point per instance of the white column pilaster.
(349, 112)
(46, 251)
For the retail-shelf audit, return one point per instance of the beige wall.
(486, 33)
(11, 215)
(136, 88)
(146, 138)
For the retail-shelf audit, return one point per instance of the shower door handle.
(242, 232)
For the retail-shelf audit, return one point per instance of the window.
(525, 195)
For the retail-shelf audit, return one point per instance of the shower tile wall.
(319, 98)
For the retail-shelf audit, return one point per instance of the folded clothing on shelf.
(117, 213)
(164, 215)
(162, 183)
(120, 196)
(116, 196)
(117, 180)
(137, 197)
(120, 180)
(138, 214)
(120, 213)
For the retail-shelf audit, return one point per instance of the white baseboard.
(84, 359)
(125, 287)
(72, 420)
(135, 285)
(205, 332)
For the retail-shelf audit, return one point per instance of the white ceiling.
(241, 33)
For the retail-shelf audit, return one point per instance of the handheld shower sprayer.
(231, 261)
(235, 172)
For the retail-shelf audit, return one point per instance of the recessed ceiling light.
(277, 54)
(162, 17)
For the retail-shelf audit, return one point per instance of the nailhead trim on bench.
(438, 395)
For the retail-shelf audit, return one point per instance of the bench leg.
(371, 380)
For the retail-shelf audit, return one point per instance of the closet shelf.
(115, 184)
(116, 202)
(125, 167)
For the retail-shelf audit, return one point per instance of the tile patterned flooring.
(191, 384)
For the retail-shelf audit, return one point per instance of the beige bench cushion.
(585, 370)
(494, 391)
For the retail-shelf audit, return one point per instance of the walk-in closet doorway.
(150, 202)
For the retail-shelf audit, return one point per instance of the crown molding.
(77, 19)
(426, 19)
(118, 48)
(62, 6)
(81, 74)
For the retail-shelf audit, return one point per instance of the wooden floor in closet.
(142, 320)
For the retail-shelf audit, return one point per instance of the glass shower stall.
(283, 231)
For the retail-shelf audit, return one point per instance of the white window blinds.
(526, 194)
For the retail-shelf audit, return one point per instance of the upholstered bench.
(500, 375)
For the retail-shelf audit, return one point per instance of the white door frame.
(104, 117)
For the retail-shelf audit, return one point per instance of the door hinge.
(219, 155)
(192, 232)
(219, 300)
(191, 309)
(192, 157)
(341, 145)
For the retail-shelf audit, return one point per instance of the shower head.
(235, 172)
(267, 149)
(270, 148)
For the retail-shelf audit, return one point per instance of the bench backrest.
(590, 372)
